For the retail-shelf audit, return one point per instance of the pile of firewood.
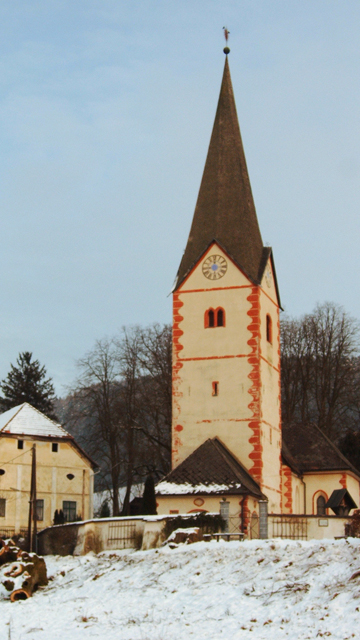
(26, 573)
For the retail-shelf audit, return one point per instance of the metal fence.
(123, 534)
(10, 532)
(293, 528)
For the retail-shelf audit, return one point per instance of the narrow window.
(39, 509)
(215, 388)
(54, 447)
(69, 509)
(320, 506)
(220, 318)
(268, 329)
(209, 318)
(2, 507)
(20, 444)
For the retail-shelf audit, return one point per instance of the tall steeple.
(225, 209)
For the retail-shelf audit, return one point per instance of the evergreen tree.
(149, 499)
(27, 382)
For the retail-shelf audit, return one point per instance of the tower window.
(215, 388)
(220, 318)
(268, 329)
(211, 318)
(20, 444)
(214, 318)
(54, 447)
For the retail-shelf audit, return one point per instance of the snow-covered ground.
(233, 590)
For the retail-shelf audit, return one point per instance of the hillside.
(261, 590)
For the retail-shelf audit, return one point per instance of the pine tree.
(149, 499)
(27, 383)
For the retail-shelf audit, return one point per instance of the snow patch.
(260, 590)
(170, 488)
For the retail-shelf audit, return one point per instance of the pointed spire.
(225, 209)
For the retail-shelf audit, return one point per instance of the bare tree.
(93, 411)
(319, 367)
(120, 408)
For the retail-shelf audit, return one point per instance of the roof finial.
(226, 34)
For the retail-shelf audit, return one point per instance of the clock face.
(214, 267)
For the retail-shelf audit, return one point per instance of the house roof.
(306, 448)
(225, 210)
(25, 420)
(210, 469)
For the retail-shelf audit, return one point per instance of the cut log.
(27, 574)
(8, 551)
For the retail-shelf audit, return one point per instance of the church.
(229, 451)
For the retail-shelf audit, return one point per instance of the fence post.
(225, 513)
(263, 519)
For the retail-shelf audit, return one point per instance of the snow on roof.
(170, 488)
(26, 420)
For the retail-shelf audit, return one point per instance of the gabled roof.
(26, 420)
(338, 496)
(225, 209)
(210, 469)
(312, 450)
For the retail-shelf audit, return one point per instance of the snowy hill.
(261, 590)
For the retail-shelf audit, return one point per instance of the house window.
(20, 444)
(320, 506)
(2, 507)
(69, 509)
(54, 447)
(268, 329)
(215, 388)
(214, 318)
(39, 509)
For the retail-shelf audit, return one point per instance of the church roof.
(225, 209)
(210, 469)
(311, 450)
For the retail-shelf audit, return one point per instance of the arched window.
(320, 506)
(214, 318)
(209, 318)
(220, 318)
(268, 329)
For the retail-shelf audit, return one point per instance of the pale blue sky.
(106, 110)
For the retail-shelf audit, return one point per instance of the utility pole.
(32, 533)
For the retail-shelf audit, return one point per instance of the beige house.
(227, 443)
(64, 472)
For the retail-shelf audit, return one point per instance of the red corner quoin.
(255, 389)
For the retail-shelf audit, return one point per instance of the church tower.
(226, 355)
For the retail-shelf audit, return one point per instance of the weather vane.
(226, 34)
